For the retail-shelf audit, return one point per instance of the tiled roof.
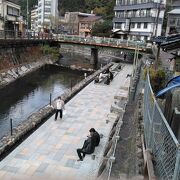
(91, 18)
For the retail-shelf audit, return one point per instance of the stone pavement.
(50, 152)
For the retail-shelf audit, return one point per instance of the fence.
(8, 34)
(160, 138)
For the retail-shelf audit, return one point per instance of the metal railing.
(94, 40)
(9, 34)
(160, 138)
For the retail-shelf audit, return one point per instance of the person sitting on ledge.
(89, 144)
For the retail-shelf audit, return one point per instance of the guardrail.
(160, 138)
(8, 34)
(101, 41)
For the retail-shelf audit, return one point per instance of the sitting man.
(95, 135)
(89, 144)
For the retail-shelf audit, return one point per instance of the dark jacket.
(96, 138)
(89, 145)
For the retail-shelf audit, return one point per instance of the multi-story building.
(87, 23)
(10, 16)
(173, 22)
(71, 21)
(138, 19)
(48, 15)
(34, 19)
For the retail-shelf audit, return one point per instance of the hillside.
(100, 7)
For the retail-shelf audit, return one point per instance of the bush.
(157, 79)
(53, 51)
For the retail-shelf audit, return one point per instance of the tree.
(102, 29)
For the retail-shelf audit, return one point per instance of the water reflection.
(32, 92)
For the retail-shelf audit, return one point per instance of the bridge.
(14, 39)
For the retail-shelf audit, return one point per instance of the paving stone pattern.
(50, 152)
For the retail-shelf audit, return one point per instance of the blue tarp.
(173, 83)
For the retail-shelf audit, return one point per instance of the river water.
(28, 94)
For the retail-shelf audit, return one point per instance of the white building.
(138, 19)
(9, 16)
(34, 19)
(48, 15)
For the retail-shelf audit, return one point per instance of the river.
(28, 94)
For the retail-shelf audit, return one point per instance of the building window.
(178, 22)
(145, 25)
(138, 25)
(172, 21)
(132, 25)
(47, 3)
(47, 10)
(12, 11)
(118, 25)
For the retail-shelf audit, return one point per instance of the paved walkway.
(50, 152)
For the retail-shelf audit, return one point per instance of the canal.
(28, 94)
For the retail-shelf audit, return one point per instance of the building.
(34, 19)
(48, 15)
(87, 23)
(173, 22)
(10, 18)
(138, 19)
(71, 21)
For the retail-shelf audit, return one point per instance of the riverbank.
(50, 152)
(8, 76)
(8, 141)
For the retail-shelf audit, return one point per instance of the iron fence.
(160, 138)
(94, 40)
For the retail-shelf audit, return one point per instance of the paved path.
(50, 152)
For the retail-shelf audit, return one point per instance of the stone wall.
(15, 56)
(9, 75)
(8, 141)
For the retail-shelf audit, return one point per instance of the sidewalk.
(50, 152)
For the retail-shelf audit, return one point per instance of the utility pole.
(27, 15)
(158, 46)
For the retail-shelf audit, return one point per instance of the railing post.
(71, 85)
(11, 126)
(4, 34)
(177, 166)
(50, 97)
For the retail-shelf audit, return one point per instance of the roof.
(174, 11)
(91, 19)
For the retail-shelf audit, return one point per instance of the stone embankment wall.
(106, 54)
(17, 62)
(37, 118)
(14, 56)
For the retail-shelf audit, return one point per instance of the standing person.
(59, 107)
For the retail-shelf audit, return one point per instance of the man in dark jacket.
(95, 135)
(88, 148)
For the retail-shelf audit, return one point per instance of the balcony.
(147, 19)
(149, 5)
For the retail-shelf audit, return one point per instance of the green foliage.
(157, 78)
(102, 29)
(100, 7)
(52, 51)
